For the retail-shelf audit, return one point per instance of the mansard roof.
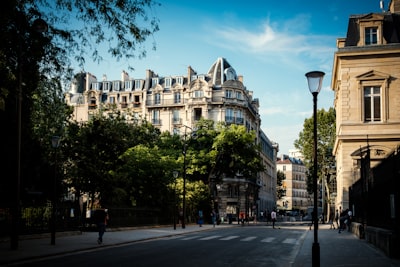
(391, 27)
(221, 71)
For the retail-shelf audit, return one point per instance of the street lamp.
(184, 175)
(55, 143)
(175, 174)
(314, 79)
(39, 26)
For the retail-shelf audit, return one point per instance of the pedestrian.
(312, 218)
(335, 222)
(349, 219)
(343, 220)
(200, 221)
(273, 218)
(213, 218)
(101, 218)
(268, 215)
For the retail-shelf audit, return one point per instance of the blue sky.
(271, 43)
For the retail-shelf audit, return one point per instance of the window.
(112, 100)
(116, 86)
(197, 114)
(95, 86)
(167, 82)
(229, 115)
(157, 99)
(372, 104)
(228, 94)
(106, 86)
(177, 98)
(371, 35)
(128, 85)
(198, 93)
(239, 95)
(179, 80)
(137, 84)
(239, 117)
(175, 116)
(156, 117)
(154, 82)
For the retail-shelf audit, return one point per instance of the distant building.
(175, 103)
(366, 82)
(295, 184)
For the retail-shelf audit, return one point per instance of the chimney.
(124, 76)
(394, 6)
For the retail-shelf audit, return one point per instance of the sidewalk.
(34, 248)
(344, 249)
(336, 249)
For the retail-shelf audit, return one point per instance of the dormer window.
(179, 80)
(116, 86)
(128, 85)
(371, 35)
(371, 30)
(138, 84)
(106, 86)
(154, 82)
(168, 82)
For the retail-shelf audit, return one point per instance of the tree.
(147, 174)
(40, 40)
(326, 135)
(280, 190)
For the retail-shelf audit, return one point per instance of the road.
(250, 245)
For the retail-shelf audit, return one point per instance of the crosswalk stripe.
(190, 237)
(268, 239)
(230, 237)
(248, 238)
(210, 237)
(290, 241)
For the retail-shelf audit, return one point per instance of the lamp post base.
(315, 255)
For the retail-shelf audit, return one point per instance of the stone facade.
(296, 195)
(366, 82)
(175, 104)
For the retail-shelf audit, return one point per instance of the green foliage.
(40, 40)
(326, 134)
(234, 152)
(146, 172)
(280, 190)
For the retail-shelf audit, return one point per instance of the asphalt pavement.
(344, 249)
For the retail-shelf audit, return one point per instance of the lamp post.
(184, 175)
(175, 174)
(314, 79)
(55, 143)
(39, 26)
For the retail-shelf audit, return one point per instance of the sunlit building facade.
(175, 103)
(365, 79)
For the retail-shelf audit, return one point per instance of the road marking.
(230, 237)
(248, 238)
(290, 241)
(210, 237)
(268, 239)
(190, 237)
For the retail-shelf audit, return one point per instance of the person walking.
(343, 220)
(101, 219)
(213, 218)
(349, 219)
(335, 223)
(273, 218)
